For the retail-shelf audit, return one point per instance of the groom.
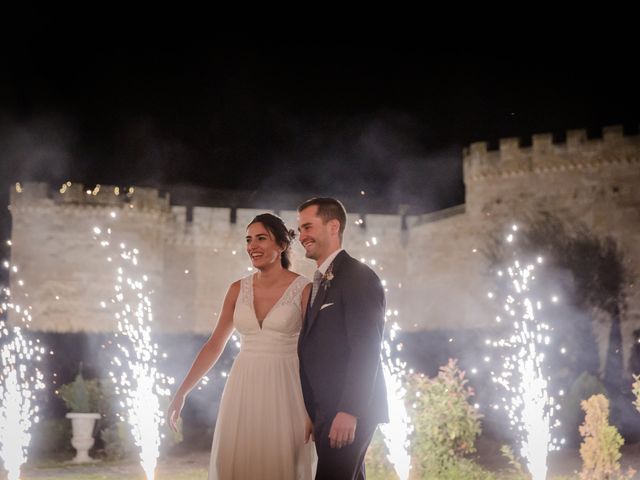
(339, 345)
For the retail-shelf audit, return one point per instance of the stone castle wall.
(190, 263)
(432, 264)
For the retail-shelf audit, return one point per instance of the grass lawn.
(195, 474)
(186, 467)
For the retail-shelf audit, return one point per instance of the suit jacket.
(340, 344)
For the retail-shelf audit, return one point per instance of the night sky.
(287, 116)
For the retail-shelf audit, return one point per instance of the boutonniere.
(327, 277)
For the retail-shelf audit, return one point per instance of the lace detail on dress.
(246, 290)
(292, 295)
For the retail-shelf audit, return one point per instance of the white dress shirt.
(325, 265)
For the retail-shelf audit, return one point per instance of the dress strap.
(245, 290)
(292, 295)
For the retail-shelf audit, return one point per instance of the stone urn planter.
(82, 398)
(82, 426)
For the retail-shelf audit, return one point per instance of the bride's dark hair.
(281, 234)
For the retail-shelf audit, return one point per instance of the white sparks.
(529, 408)
(139, 381)
(396, 432)
(19, 378)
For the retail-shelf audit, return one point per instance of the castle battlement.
(208, 218)
(36, 194)
(75, 198)
(578, 152)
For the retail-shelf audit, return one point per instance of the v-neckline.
(253, 305)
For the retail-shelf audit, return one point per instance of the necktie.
(317, 278)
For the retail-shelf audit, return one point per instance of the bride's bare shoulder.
(234, 290)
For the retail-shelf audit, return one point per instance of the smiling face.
(318, 239)
(262, 248)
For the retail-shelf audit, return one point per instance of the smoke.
(40, 149)
(388, 155)
(145, 154)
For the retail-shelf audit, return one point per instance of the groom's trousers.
(346, 463)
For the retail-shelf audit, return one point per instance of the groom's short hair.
(328, 209)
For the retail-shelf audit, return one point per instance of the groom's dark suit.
(340, 367)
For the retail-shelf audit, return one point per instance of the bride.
(263, 431)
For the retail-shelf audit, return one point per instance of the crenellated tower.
(577, 173)
(595, 181)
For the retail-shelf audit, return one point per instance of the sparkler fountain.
(529, 406)
(139, 381)
(397, 431)
(18, 380)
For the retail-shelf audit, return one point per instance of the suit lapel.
(312, 312)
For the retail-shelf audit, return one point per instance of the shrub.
(582, 388)
(516, 470)
(445, 424)
(462, 469)
(116, 434)
(636, 391)
(81, 395)
(50, 436)
(118, 441)
(600, 449)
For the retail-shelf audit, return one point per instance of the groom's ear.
(334, 226)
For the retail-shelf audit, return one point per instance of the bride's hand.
(174, 410)
(308, 430)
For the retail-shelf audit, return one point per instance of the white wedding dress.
(259, 434)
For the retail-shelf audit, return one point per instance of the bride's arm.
(208, 355)
(308, 424)
(306, 293)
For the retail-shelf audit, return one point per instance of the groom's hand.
(343, 430)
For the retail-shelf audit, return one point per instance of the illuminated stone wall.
(434, 270)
